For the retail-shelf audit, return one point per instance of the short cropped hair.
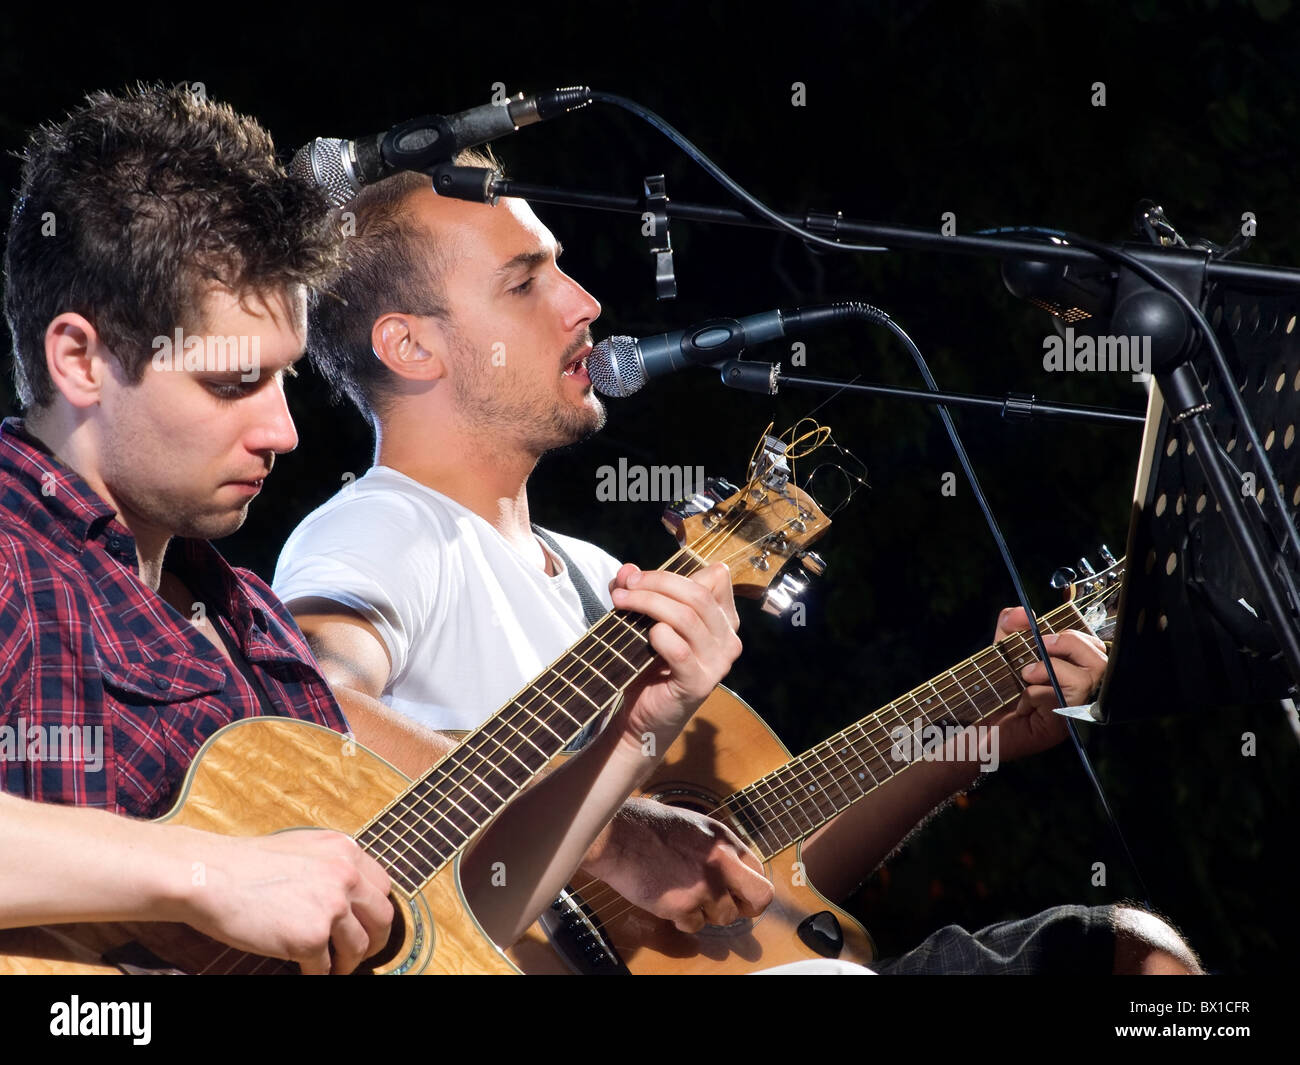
(132, 206)
(391, 264)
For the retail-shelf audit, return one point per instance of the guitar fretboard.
(792, 802)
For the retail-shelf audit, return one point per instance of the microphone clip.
(761, 377)
(654, 227)
(478, 184)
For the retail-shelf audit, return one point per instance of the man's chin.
(214, 526)
(571, 433)
(587, 424)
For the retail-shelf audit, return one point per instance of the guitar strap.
(592, 608)
(592, 611)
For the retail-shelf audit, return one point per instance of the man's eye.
(230, 392)
(521, 290)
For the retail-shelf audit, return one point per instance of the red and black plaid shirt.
(89, 651)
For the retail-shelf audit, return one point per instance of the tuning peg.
(1063, 578)
(1085, 567)
(780, 597)
(813, 563)
(1106, 556)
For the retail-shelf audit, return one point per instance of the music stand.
(1191, 631)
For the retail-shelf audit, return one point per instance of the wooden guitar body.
(725, 746)
(253, 777)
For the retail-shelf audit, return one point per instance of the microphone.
(342, 167)
(619, 366)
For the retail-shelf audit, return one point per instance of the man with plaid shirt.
(125, 638)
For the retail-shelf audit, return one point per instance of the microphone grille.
(321, 163)
(615, 367)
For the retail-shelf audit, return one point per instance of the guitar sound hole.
(397, 948)
(687, 797)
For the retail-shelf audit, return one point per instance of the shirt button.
(160, 683)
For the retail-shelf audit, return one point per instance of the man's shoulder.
(380, 504)
(29, 552)
(382, 539)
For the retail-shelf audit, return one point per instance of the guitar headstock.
(758, 530)
(1095, 594)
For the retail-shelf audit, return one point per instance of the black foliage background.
(912, 109)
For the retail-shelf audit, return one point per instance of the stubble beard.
(500, 409)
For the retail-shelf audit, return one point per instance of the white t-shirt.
(468, 621)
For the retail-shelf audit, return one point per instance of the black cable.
(717, 173)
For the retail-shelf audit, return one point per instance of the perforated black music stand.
(1192, 630)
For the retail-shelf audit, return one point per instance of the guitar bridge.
(579, 938)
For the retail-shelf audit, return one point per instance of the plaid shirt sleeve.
(15, 682)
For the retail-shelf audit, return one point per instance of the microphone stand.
(835, 227)
(767, 378)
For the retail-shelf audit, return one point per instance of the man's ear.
(412, 346)
(76, 358)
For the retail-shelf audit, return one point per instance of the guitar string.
(789, 775)
(507, 723)
(723, 533)
(680, 562)
(684, 557)
(964, 672)
(793, 803)
(806, 764)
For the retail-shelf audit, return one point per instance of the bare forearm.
(845, 852)
(532, 849)
(67, 864)
(404, 743)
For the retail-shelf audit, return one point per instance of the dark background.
(912, 109)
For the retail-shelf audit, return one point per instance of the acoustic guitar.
(592, 929)
(271, 774)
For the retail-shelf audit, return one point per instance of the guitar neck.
(791, 803)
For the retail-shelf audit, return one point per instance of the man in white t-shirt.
(429, 599)
(424, 591)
